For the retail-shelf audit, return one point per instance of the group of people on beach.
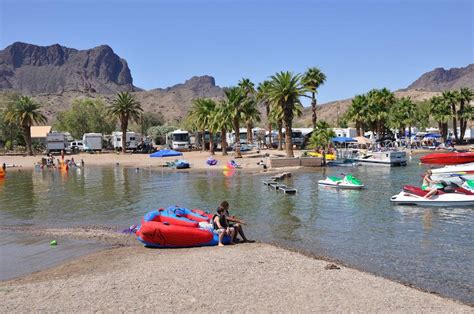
(227, 225)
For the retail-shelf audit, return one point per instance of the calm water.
(431, 248)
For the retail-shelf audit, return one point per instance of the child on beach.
(221, 226)
(235, 223)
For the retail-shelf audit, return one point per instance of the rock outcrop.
(440, 79)
(31, 69)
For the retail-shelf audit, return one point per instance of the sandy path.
(245, 277)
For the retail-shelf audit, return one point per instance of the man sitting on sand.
(235, 223)
(221, 226)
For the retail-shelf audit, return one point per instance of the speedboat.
(347, 182)
(453, 158)
(465, 170)
(451, 196)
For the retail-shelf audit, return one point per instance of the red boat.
(453, 158)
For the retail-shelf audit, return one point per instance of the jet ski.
(452, 195)
(347, 182)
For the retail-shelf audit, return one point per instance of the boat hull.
(341, 185)
(414, 196)
(448, 158)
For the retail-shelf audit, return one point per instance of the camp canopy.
(166, 153)
(343, 139)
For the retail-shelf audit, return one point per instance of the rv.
(56, 142)
(242, 135)
(297, 139)
(92, 141)
(178, 140)
(131, 138)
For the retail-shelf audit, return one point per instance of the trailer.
(178, 140)
(132, 139)
(92, 141)
(56, 142)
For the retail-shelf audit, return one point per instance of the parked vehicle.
(92, 141)
(76, 146)
(178, 140)
(56, 142)
(131, 140)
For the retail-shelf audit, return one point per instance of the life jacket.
(222, 221)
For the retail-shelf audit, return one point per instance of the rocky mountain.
(32, 70)
(440, 79)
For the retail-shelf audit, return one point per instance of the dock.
(279, 187)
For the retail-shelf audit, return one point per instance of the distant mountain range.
(56, 75)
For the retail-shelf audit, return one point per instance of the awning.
(363, 140)
(166, 153)
(343, 139)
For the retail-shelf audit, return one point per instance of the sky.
(359, 45)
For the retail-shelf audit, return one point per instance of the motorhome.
(92, 141)
(56, 142)
(231, 139)
(132, 140)
(297, 138)
(178, 140)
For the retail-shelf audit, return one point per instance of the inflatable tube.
(2, 174)
(211, 162)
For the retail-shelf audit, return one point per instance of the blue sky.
(358, 44)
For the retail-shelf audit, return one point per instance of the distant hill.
(32, 69)
(440, 79)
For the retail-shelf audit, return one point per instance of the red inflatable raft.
(453, 158)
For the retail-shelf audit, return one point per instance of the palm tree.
(402, 114)
(25, 113)
(466, 95)
(235, 101)
(203, 113)
(321, 137)
(312, 79)
(441, 112)
(125, 108)
(285, 91)
(247, 86)
(380, 101)
(276, 118)
(251, 115)
(262, 97)
(223, 121)
(357, 112)
(451, 99)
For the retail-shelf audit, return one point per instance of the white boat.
(414, 196)
(465, 170)
(389, 158)
(348, 182)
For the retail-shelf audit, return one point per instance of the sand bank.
(244, 277)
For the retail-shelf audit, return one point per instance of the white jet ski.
(347, 182)
(452, 196)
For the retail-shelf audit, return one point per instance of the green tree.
(403, 113)
(312, 79)
(235, 100)
(85, 116)
(285, 91)
(451, 98)
(466, 95)
(380, 102)
(158, 133)
(146, 121)
(10, 132)
(263, 98)
(26, 113)
(441, 112)
(223, 121)
(357, 113)
(125, 108)
(202, 115)
(251, 113)
(321, 136)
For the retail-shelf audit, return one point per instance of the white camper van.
(178, 140)
(92, 141)
(131, 138)
(56, 142)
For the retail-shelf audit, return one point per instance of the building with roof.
(39, 133)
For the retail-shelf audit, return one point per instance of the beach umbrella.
(166, 153)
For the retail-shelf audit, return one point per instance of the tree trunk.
(249, 133)
(203, 141)
(27, 136)
(267, 108)
(280, 136)
(288, 131)
(455, 124)
(314, 118)
(124, 126)
(463, 130)
(223, 142)
(358, 128)
(238, 154)
(462, 124)
(211, 142)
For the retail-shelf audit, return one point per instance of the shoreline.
(123, 247)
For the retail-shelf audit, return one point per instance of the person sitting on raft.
(235, 223)
(221, 227)
(430, 185)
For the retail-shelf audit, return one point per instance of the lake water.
(431, 248)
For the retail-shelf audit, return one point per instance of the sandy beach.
(243, 278)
